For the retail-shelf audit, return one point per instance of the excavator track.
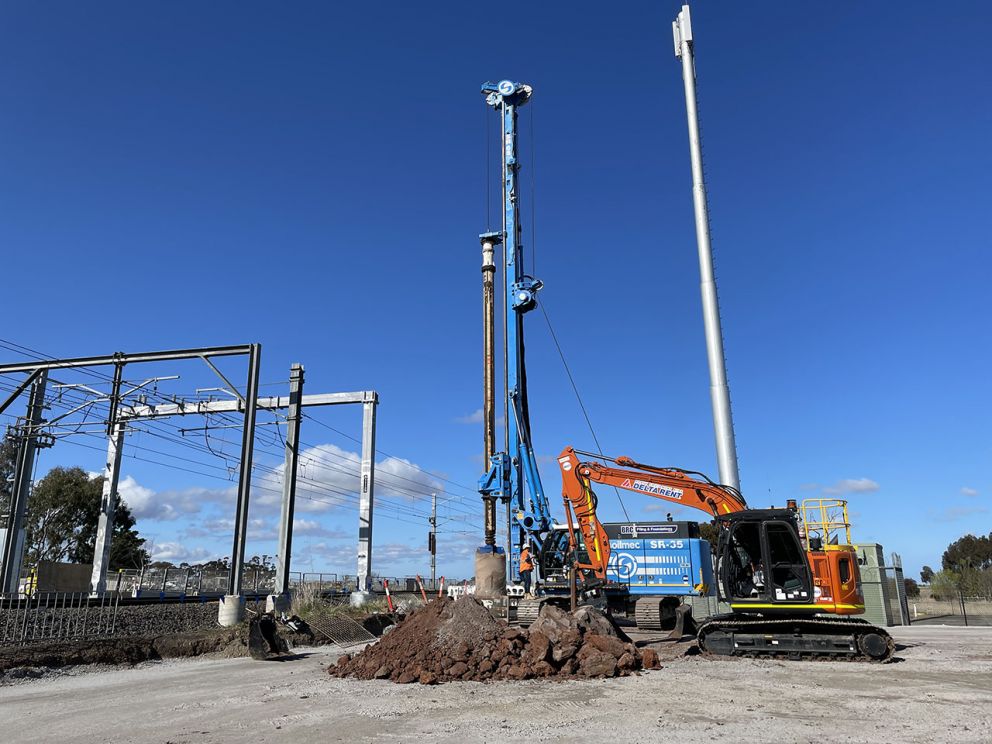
(528, 610)
(664, 613)
(833, 639)
(647, 614)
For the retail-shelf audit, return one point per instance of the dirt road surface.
(941, 691)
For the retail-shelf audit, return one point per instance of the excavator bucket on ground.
(685, 624)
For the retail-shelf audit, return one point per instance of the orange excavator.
(791, 594)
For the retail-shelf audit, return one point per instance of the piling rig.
(512, 476)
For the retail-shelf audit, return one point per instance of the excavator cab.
(762, 563)
(555, 556)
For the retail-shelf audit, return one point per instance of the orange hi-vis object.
(526, 564)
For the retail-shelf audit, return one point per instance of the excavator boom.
(669, 484)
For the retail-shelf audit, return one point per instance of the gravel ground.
(167, 618)
(941, 691)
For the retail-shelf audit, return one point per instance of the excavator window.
(555, 557)
(789, 576)
(554, 553)
(744, 578)
(844, 566)
(764, 561)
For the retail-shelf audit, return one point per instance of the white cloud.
(259, 529)
(176, 552)
(313, 528)
(262, 529)
(852, 485)
(957, 513)
(966, 491)
(328, 477)
(390, 559)
(139, 500)
(145, 503)
(473, 418)
(476, 418)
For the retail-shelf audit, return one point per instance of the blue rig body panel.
(659, 558)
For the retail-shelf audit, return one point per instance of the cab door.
(787, 569)
(740, 558)
(763, 566)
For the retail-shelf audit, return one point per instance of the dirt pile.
(459, 640)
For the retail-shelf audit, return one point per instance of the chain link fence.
(189, 582)
(954, 608)
(258, 581)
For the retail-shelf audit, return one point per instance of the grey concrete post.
(366, 495)
(13, 547)
(293, 418)
(726, 447)
(108, 509)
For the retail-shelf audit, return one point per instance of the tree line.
(966, 568)
(62, 513)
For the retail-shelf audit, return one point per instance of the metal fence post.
(900, 580)
(24, 623)
(61, 614)
(117, 602)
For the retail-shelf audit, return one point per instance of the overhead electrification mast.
(723, 423)
(512, 476)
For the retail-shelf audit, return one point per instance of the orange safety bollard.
(420, 584)
(440, 589)
(389, 598)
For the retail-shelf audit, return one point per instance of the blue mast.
(513, 476)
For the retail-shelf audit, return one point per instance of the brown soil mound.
(459, 640)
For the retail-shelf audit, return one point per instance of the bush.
(310, 604)
(944, 585)
(912, 588)
(976, 583)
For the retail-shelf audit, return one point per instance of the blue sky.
(313, 178)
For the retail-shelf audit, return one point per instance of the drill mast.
(513, 476)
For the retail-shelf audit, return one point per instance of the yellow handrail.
(826, 519)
